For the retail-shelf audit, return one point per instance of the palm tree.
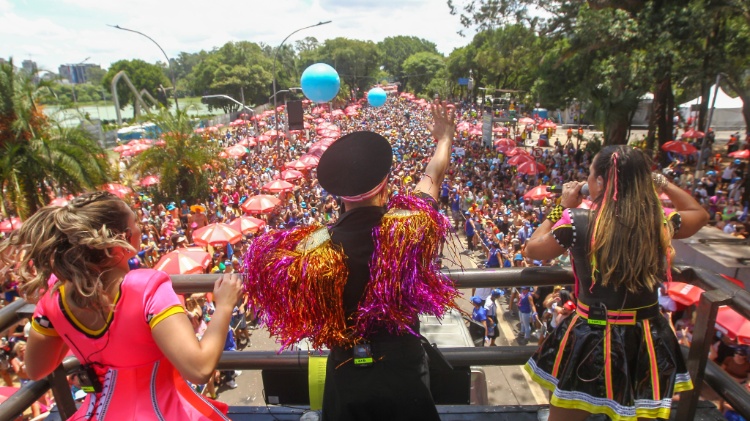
(183, 163)
(37, 154)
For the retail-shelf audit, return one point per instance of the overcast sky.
(54, 32)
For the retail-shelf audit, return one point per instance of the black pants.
(395, 387)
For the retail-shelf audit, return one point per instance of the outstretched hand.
(444, 117)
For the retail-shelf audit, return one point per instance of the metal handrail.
(719, 292)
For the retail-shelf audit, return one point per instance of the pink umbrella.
(264, 138)
(236, 151)
(139, 148)
(317, 149)
(463, 126)
(58, 201)
(161, 142)
(10, 225)
(274, 133)
(216, 234)
(501, 129)
(537, 193)
(515, 151)
(261, 203)
(743, 154)
(291, 175)
(530, 168)
(149, 180)
(247, 224)
(526, 120)
(547, 125)
(277, 186)
(121, 148)
(184, 261)
(248, 142)
(310, 160)
(692, 134)
(297, 165)
(118, 189)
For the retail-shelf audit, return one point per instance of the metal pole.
(275, 54)
(699, 166)
(169, 62)
(238, 103)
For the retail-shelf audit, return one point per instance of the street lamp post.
(169, 62)
(275, 54)
(255, 120)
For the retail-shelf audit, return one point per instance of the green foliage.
(183, 162)
(420, 69)
(396, 50)
(143, 75)
(237, 69)
(37, 155)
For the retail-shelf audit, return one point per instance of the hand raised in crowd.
(444, 117)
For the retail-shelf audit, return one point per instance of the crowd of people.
(485, 196)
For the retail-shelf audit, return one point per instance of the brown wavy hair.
(72, 242)
(630, 239)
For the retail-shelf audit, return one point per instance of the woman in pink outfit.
(127, 328)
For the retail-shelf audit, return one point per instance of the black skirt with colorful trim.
(623, 371)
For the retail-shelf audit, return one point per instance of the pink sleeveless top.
(138, 381)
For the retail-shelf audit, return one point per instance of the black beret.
(355, 164)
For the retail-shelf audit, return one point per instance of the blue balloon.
(376, 97)
(320, 82)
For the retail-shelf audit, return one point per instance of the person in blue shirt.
(493, 254)
(455, 201)
(470, 231)
(479, 315)
(444, 195)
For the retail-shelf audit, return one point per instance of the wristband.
(660, 182)
(555, 214)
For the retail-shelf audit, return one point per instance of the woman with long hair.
(127, 328)
(617, 355)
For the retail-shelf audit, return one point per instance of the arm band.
(555, 214)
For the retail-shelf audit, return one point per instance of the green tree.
(237, 69)
(397, 49)
(143, 75)
(182, 162)
(37, 155)
(420, 68)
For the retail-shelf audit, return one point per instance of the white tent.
(727, 114)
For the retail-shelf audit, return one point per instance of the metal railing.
(718, 292)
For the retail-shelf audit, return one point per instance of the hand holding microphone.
(573, 193)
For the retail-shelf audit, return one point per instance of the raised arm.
(692, 214)
(443, 129)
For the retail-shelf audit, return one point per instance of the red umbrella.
(317, 149)
(139, 148)
(537, 193)
(149, 180)
(274, 133)
(236, 151)
(216, 234)
(291, 175)
(526, 121)
(743, 154)
(683, 293)
(693, 134)
(297, 165)
(732, 324)
(530, 168)
(547, 125)
(264, 138)
(118, 189)
(309, 160)
(277, 186)
(247, 224)
(679, 147)
(504, 144)
(463, 126)
(248, 141)
(516, 151)
(121, 148)
(501, 129)
(184, 261)
(520, 159)
(10, 225)
(261, 203)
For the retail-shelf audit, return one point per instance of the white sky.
(54, 32)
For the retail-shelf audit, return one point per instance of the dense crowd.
(486, 197)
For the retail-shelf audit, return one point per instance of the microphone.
(559, 189)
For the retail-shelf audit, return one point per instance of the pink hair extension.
(614, 168)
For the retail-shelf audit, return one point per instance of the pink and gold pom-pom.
(405, 279)
(296, 279)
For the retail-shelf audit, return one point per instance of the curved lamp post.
(169, 62)
(275, 54)
(227, 97)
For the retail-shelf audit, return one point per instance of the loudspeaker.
(294, 115)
